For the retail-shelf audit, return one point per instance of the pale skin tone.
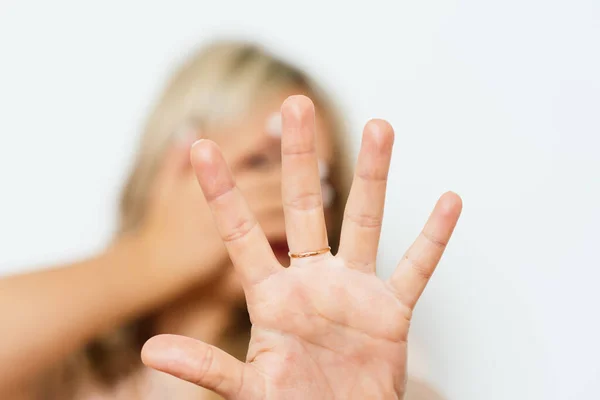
(176, 263)
(326, 327)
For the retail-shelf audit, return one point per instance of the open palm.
(326, 327)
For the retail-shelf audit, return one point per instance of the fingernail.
(196, 142)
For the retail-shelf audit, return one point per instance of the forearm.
(48, 314)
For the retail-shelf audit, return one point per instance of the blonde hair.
(218, 85)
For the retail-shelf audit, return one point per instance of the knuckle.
(240, 229)
(305, 201)
(439, 243)
(420, 268)
(206, 367)
(365, 220)
(372, 173)
(298, 149)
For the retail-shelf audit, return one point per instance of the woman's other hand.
(177, 232)
(326, 327)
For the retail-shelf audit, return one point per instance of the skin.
(254, 159)
(310, 331)
(314, 333)
(175, 265)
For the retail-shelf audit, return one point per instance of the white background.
(497, 100)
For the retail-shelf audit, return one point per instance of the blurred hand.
(178, 232)
(326, 327)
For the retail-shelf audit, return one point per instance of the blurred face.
(252, 148)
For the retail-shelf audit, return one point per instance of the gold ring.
(310, 253)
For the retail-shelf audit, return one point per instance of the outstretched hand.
(326, 327)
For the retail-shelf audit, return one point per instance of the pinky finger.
(419, 262)
(196, 362)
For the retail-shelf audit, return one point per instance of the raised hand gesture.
(326, 327)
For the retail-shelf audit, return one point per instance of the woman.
(76, 331)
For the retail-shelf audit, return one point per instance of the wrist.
(136, 276)
(168, 260)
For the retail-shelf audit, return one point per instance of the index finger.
(246, 243)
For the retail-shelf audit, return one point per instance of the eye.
(256, 161)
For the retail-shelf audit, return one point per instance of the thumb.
(195, 362)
